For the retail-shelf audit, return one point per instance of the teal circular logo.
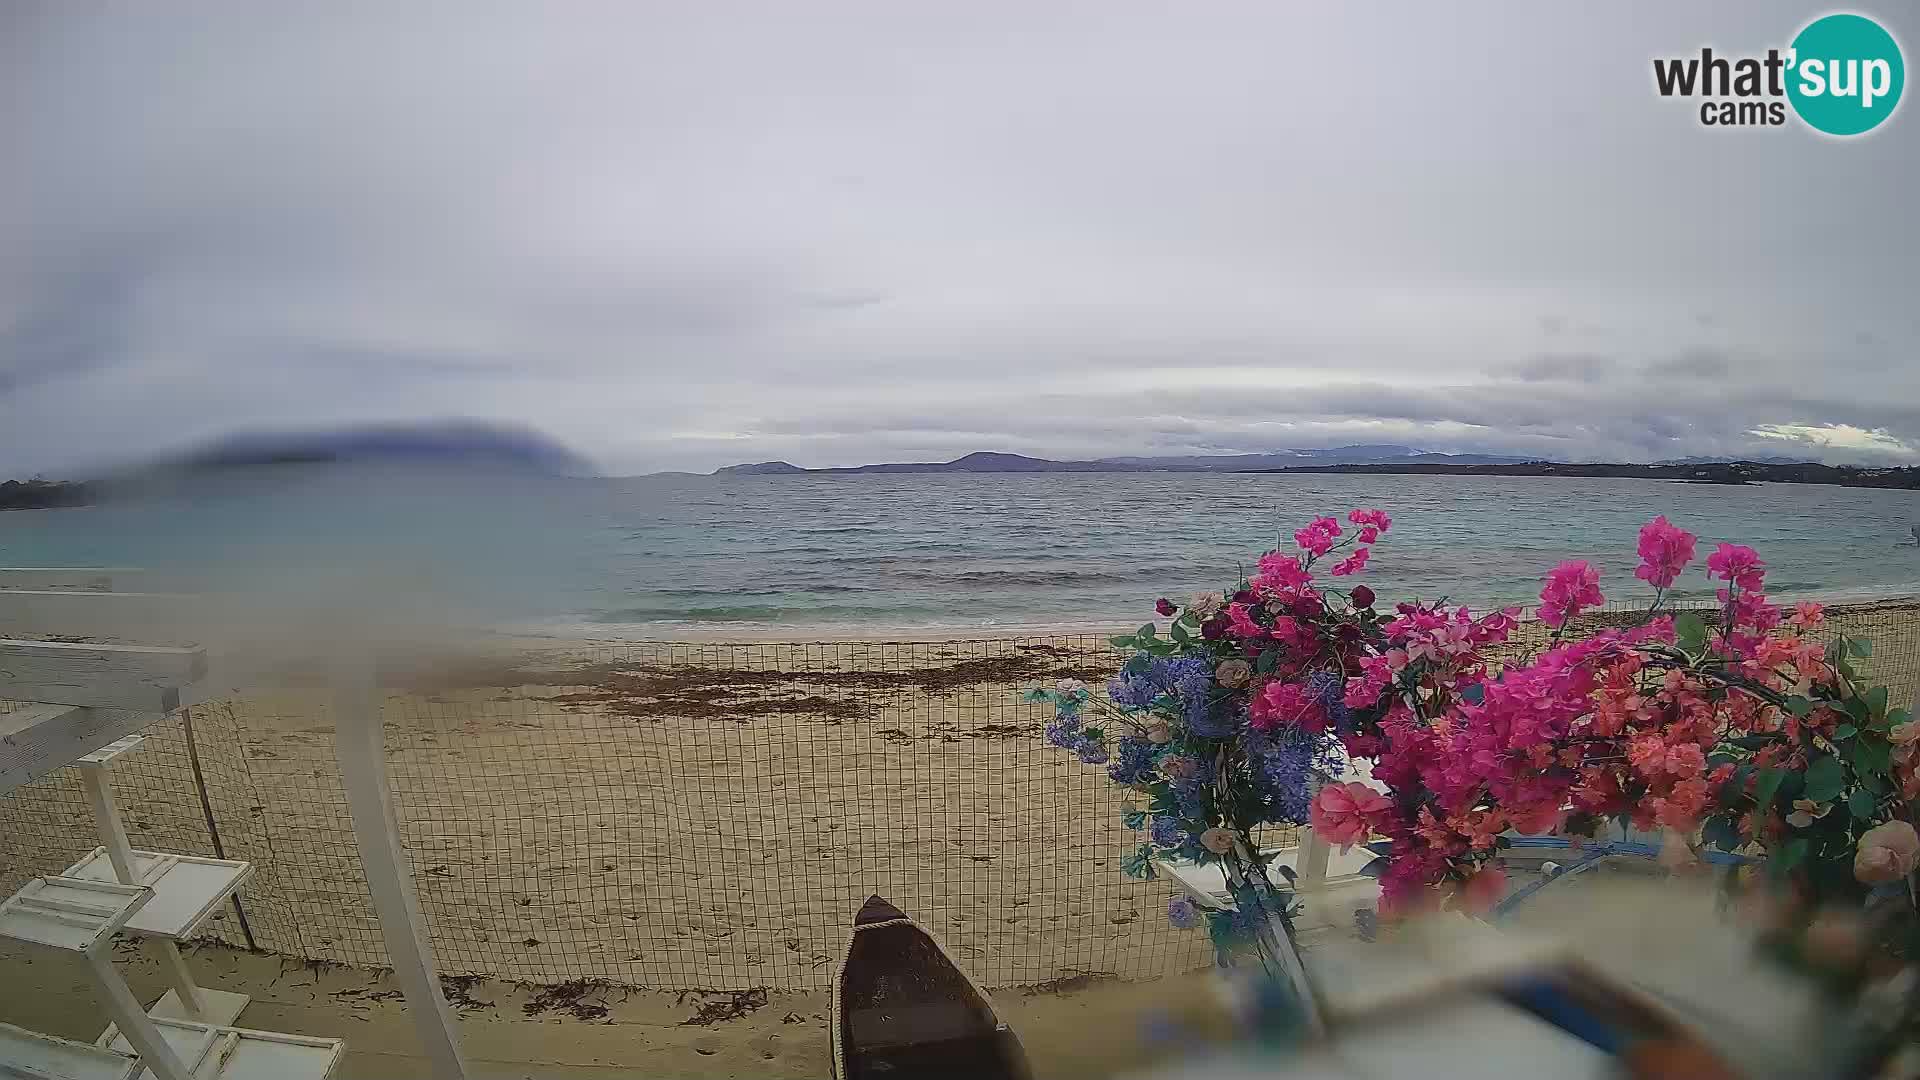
(1845, 74)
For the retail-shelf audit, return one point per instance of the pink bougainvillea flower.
(1807, 614)
(1361, 596)
(1280, 572)
(1571, 587)
(1240, 622)
(1886, 853)
(1345, 814)
(1665, 551)
(1739, 565)
(1318, 537)
(1165, 608)
(1372, 523)
(1286, 705)
(1353, 563)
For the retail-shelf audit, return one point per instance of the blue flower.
(1182, 914)
(1330, 690)
(1134, 763)
(1191, 797)
(1065, 732)
(1145, 679)
(1168, 831)
(1092, 752)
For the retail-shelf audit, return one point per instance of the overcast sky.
(688, 235)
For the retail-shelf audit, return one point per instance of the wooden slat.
(66, 577)
(38, 739)
(168, 618)
(141, 677)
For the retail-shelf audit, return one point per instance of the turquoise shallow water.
(943, 552)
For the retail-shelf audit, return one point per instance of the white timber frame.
(42, 737)
(360, 745)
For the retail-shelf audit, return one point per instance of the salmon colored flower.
(1807, 614)
(1217, 840)
(1233, 674)
(1806, 812)
(1886, 852)
(1487, 887)
(1340, 813)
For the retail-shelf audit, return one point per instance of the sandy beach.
(645, 821)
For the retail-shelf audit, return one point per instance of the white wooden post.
(106, 817)
(174, 966)
(359, 744)
(1313, 861)
(133, 1023)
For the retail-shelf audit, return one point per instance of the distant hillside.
(455, 442)
(987, 462)
(40, 494)
(1735, 472)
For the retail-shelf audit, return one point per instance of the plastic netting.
(685, 816)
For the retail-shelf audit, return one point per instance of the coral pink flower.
(1217, 840)
(1807, 614)
(1340, 813)
(1571, 587)
(1886, 853)
(1487, 887)
(1738, 564)
(1665, 551)
(1353, 563)
(1319, 535)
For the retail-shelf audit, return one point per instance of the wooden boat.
(903, 1010)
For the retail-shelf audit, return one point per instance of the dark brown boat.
(903, 1010)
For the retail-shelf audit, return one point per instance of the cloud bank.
(682, 236)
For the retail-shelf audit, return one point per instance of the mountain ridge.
(987, 461)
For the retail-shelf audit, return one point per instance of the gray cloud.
(684, 237)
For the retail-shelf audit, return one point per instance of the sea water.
(816, 555)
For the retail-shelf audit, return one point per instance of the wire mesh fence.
(687, 816)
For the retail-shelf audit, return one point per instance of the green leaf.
(1792, 855)
(1898, 717)
(1861, 804)
(1800, 706)
(1267, 661)
(1877, 701)
(1094, 733)
(1768, 786)
(1134, 819)
(1872, 757)
(1845, 731)
(1121, 641)
(1826, 777)
(1146, 632)
(1179, 633)
(1690, 632)
(1721, 833)
(1138, 864)
(1860, 647)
